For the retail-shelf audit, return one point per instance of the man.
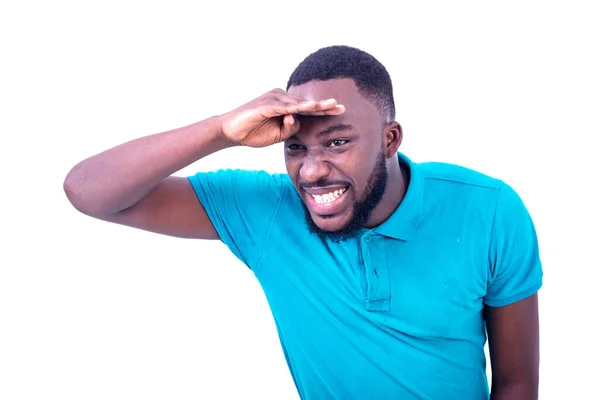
(385, 277)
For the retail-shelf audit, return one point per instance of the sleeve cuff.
(500, 302)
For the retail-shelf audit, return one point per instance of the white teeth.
(328, 197)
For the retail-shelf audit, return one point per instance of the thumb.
(290, 126)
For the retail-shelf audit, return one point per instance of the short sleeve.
(241, 206)
(515, 266)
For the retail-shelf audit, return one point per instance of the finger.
(337, 110)
(285, 97)
(289, 104)
(290, 126)
(288, 98)
(279, 107)
(310, 105)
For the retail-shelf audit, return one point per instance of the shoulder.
(463, 195)
(242, 206)
(457, 189)
(458, 176)
(237, 191)
(247, 185)
(244, 178)
(476, 193)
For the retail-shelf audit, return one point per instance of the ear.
(392, 136)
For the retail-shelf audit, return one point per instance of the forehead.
(322, 90)
(345, 92)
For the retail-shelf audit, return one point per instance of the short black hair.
(335, 62)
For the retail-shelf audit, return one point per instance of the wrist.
(219, 137)
(208, 135)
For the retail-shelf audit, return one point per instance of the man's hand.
(269, 119)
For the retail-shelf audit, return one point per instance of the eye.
(294, 148)
(337, 142)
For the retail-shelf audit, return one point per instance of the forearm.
(118, 178)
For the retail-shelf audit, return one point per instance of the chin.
(342, 225)
(334, 228)
(331, 223)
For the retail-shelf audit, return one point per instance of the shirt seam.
(270, 228)
(493, 227)
(491, 187)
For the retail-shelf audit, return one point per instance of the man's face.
(337, 163)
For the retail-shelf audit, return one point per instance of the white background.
(91, 310)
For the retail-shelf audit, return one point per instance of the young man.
(384, 276)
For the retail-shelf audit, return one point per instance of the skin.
(343, 151)
(513, 333)
(361, 208)
(133, 184)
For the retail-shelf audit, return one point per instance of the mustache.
(321, 184)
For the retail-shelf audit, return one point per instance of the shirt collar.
(404, 220)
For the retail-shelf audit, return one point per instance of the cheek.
(357, 174)
(292, 167)
(361, 174)
(361, 188)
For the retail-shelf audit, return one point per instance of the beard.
(361, 209)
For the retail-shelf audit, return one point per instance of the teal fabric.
(397, 312)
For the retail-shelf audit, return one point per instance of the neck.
(397, 184)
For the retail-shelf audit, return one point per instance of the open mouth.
(327, 198)
(326, 201)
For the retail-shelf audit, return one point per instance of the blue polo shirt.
(397, 312)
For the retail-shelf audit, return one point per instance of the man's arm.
(132, 183)
(513, 333)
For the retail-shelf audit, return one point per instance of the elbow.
(74, 191)
(71, 191)
(78, 195)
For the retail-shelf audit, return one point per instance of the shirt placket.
(376, 272)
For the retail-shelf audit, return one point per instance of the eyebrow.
(331, 129)
(336, 128)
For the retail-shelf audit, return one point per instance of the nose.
(314, 169)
